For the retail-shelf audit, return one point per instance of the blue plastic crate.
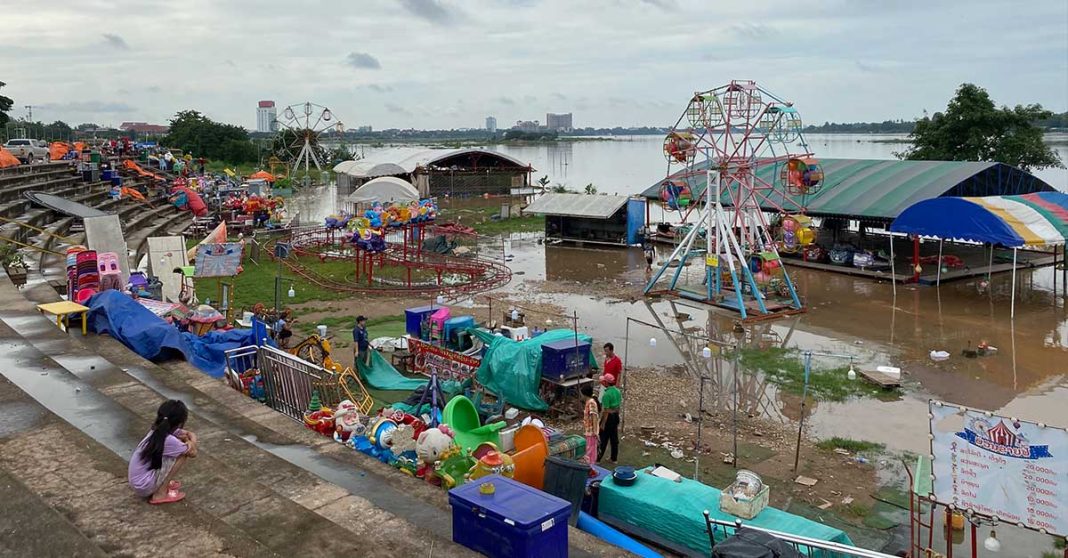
(516, 521)
(562, 360)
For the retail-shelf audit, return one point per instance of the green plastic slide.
(460, 414)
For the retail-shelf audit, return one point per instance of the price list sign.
(1000, 467)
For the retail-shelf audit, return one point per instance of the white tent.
(384, 189)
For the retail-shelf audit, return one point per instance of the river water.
(855, 316)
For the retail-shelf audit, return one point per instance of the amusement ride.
(300, 127)
(727, 135)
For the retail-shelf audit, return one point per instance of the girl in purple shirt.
(161, 454)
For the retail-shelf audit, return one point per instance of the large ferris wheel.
(299, 129)
(716, 151)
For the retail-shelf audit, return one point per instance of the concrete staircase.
(72, 410)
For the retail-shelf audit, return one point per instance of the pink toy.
(108, 263)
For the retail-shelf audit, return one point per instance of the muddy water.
(854, 316)
(1027, 378)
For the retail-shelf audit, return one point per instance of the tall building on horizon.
(491, 124)
(558, 122)
(265, 117)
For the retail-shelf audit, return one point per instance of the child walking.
(161, 454)
(591, 423)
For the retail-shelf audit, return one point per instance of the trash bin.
(566, 479)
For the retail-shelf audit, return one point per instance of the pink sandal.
(172, 496)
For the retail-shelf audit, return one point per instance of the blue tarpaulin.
(148, 335)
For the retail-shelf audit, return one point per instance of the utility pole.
(29, 113)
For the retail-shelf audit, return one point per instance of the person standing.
(359, 339)
(650, 255)
(612, 365)
(611, 401)
(591, 423)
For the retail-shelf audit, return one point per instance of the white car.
(28, 150)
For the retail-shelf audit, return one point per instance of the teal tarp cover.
(674, 511)
(381, 375)
(512, 369)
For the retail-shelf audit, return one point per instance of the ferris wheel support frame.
(729, 236)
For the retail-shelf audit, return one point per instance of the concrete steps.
(71, 493)
(246, 476)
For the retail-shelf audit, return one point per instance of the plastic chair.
(460, 414)
(531, 449)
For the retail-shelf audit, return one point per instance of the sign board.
(218, 260)
(1000, 467)
(447, 363)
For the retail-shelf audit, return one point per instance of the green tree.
(591, 189)
(5, 105)
(973, 129)
(200, 136)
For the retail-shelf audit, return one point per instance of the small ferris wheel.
(299, 129)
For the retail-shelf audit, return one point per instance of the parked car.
(28, 150)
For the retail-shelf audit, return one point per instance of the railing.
(810, 548)
(288, 381)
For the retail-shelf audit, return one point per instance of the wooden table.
(63, 311)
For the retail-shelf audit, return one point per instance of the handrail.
(797, 541)
(66, 239)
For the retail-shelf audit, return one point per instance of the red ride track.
(327, 244)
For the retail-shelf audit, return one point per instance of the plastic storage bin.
(515, 521)
(562, 360)
(413, 319)
(566, 478)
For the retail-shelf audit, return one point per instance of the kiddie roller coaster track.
(402, 268)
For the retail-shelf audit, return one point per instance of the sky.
(435, 64)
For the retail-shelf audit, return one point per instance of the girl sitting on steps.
(161, 454)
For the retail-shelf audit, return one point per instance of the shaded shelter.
(1034, 220)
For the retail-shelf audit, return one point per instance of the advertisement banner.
(446, 362)
(1000, 467)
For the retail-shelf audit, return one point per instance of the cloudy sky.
(450, 63)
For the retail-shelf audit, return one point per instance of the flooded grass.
(785, 368)
(852, 446)
(480, 217)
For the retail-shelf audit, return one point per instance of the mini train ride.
(392, 251)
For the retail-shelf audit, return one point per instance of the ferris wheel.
(299, 129)
(738, 147)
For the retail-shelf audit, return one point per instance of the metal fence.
(288, 381)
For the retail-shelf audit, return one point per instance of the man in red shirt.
(612, 364)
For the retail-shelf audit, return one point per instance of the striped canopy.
(1029, 220)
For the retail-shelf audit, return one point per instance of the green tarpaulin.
(381, 375)
(674, 511)
(512, 370)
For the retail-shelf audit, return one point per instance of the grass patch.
(855, 510)
(341, 326)
(852, 446)
(785, 368)
(256, 284)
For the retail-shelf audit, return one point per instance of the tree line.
(1055, 122)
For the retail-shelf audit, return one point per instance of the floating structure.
(439, 172)
(614, 220)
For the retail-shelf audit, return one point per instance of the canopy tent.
(1027, 221)
(385, 189)
(263, 175)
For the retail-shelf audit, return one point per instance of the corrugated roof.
(882, 189)
(397, 160)
(576, 205)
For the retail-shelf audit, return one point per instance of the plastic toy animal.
(431, 446)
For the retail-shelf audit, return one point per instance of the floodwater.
(630, 164)
(848, 316)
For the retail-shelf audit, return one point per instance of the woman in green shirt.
(611, 400)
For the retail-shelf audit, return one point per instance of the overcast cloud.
(451, 63)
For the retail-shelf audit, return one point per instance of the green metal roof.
(881, 189)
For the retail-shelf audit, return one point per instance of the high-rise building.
(491, 124)
(558, 122)
(265, 117)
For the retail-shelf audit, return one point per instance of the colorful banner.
(1000, 467)
(447, 363)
